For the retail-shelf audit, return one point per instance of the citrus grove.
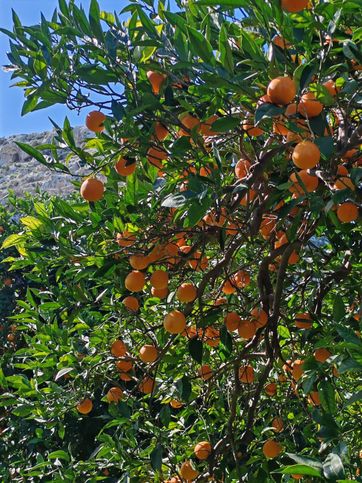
(194, 313)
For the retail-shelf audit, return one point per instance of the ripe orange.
(281, 42)
(174, 322)
(271, 388)
(293, 258)
(241, 279)
(139, 262)
(94, 121)
(309, 181)
(114, 395)
(278, 424)
(147, 385)
(267, 226)
(203, 450)
(248, 198)
(85, 406)
(125, 239)
(131, 303)
(293, 6)
(246, 374)
(344, 183)
(259, 316)
(7, 282)
(309, 106)
(188, 472)
(118, 348)
(330, 85)
(205, 372)
(159, 279)
(125, 167)
(297, 370)
(281, 90)
(342, 170)
(190, 122)
(303, 321)
(92, 189)
(124, 365)
(314, 399)
(250, 129)
(306, 155)
(206, 126)
(156, 80)
(232, 321)
(347, 212)
(148, 353)
(175, 404)
(228, 287)
(247, 329)
(271, 448)
(297, 477)
(156, 155)
(161, 131)
(160, 293)
(282, 239)
(135, 281)
(187, 292)
(322, 354)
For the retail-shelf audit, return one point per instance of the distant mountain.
(23, 174)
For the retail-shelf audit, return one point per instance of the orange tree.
(196, 313)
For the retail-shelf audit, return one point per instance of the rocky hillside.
(23, 174)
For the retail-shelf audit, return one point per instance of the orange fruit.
(175, 404)
(228, 287)
(281, 90)
(309, 181)
(344, 183)
(159, 279)
(322, 354)
(267, 226)
(248, 198)
(293, 258)
(139, 262)
(85, 406)
(247, 329)
(124, 365)
(270, 388)
(118, 348)
(156, 155)
(205, 372)
(281, 42)
(190, 122)
(278, 424)
(293, 6)
(174, 322)
(156, 79)
(94, 121)
(125, 167)
(282, 239)
(114, 395)
(148, 353)
(331, 87)
(187, 292)
(147, 385)
(188, 472)
(203, 450)
(309, 106)
(347, 212)
(92, 189)
(260, 317)
(303, 321)
(306, 155)
(342, 170)
(125, 239)
(232, 321)
(160, 293)
(297, 477)
(250, 129)
(131, 303)
(161, 131)
(246, 374)
(271, 448)
(206, 126)
(297, 370)
(314, 399)
(135, 281)
(241, 279)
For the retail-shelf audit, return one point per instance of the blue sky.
(11, 99)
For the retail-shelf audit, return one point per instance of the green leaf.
(351, 51)
(224, 3)
(305, 461)
(333, 468)
(34, 153)
(29, 105)
(304, 74)
(327, 397)
(301, 470)
(326, 146)
(176, 20)
(31, 222)
(196, 349)
(147, 23)
(14, 240)
(338, 308)
(156, 458)
(63, 372)
(196, 211)
(94, 19)
(59, 454)
(226, 55)
(200, 45)
(225, 124)
(184, 387)
(267, 110)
